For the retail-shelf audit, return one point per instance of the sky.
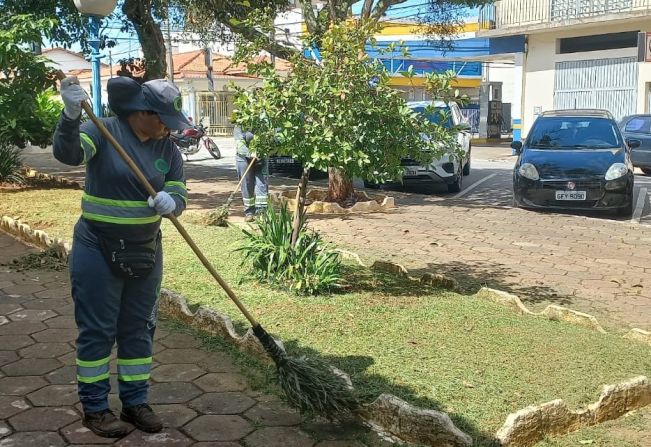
(128, 45)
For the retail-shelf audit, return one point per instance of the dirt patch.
(45, 260)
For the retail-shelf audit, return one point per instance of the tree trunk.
(150, 37)
(299, 211)
(340, 187)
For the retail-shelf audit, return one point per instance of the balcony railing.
(515, 13)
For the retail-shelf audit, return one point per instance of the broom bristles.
(313, 387)
(310, 385)
(218, 217)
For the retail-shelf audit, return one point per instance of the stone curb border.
(37, 238)
(30, 173)
(530, 425)
(394, 418)
(552, 312)
(318, 206)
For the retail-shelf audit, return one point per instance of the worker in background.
(255, 190)
(116, 264)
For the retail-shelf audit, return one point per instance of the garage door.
(609, 84)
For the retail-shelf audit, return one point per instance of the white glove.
(163, 203)
(72, 95)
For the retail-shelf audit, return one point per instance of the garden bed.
(474, 359)
(316, 203)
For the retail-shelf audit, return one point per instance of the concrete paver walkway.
(201, 395)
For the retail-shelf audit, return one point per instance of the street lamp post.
(96, 9)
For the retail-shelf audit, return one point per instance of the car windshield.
(437, 115)
(574, 133)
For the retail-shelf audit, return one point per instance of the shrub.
(10, 164)
(309, 268)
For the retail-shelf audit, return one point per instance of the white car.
(448, 169)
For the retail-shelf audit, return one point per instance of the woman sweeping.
(116, 263)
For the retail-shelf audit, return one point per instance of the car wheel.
(647, 171)
(456, 185)
(466, 167)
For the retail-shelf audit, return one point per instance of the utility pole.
(110, 64)
(170, 59)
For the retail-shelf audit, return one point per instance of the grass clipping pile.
(45, 260)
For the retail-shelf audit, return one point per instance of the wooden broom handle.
(150, 190)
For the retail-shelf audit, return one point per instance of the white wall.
(503, 72)
(66, 61)
(541, 59)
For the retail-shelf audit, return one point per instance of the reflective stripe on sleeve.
(178, 189)
(87, 146)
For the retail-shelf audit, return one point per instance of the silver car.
(447, 169)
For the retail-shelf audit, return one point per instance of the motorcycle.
(189, 142)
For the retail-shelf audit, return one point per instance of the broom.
(310, 385)
(219, 217)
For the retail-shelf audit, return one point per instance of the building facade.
(577, 54)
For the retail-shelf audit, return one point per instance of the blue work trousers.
(108, 310)
(255, 190)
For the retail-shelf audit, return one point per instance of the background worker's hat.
(126, 95)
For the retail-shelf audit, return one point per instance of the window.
(598, 42)
(640, 124)
(574, 133)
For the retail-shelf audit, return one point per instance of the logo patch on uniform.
(162, 166)
(178, 103)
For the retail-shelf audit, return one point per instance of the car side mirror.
(517, 147)
(633, 143)
(464, 127)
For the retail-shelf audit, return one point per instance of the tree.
(245, 21)
(340, 115)
(26, 82)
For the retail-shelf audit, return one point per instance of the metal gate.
(215, 109)
(609, 84)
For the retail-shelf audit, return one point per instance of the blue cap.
(159, 95)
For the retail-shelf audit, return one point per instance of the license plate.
(571, 195)
(411, 171)
(285, 161)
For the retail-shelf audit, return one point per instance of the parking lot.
(597, 263)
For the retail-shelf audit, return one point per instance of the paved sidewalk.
(202, 397)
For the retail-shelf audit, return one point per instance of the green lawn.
(474, 359)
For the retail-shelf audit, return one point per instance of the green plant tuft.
(309, 268)
(10, 164)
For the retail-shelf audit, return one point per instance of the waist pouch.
(130, 259)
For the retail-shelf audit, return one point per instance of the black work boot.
(104, 423)
(143, 417)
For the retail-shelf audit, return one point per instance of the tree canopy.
(241, 20)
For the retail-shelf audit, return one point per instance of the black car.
(639, 127)
(575, 159)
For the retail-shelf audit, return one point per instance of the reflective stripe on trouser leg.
(135, 337)
(261, 187)
(134, 370)
(97, 294)
(92, 371)
(248, 184)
